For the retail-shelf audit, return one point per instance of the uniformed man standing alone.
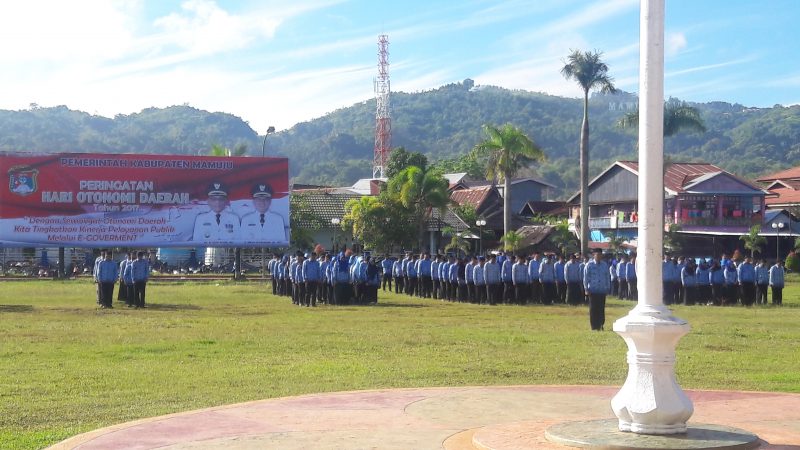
(216, 225)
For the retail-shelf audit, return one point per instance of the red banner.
(108, 200)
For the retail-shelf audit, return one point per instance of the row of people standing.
(132, 274)
(721, 282)
(495, 279)
(341, 280)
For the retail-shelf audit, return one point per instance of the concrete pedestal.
(650, 401)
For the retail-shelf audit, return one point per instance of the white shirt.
(208, 229)
(263, 227)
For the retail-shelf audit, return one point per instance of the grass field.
(67, 367)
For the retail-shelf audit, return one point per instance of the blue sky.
(276, 62)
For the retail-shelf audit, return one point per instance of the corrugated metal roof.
(474, 196)
(788, 174)
(784, 196)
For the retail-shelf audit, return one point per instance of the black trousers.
(633, 291)
(399, 285)
(731, 294)
(717, 292)
(274, 286)
(471, 292)
(561, 290)
(436, 289)
(312, 288)
(623, 289)
(509, 293)
(574, 293)
(139, 293)
(387, 279)
(106, 293)
(548, 293)
(536, 291)
(748, 293)
(480, 293)
(122, 294)
(494, 293)
(597, 311)
(689, 295)
(761, 293)
(130, 295)
(666, 296)
(777, 295)
(520, 293)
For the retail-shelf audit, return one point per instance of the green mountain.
(442, 123)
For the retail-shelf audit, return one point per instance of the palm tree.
(420, 191)
(508, 150)
(511, 241)
(753, 241)
(457, 241)
(591, 74)
(677, 116)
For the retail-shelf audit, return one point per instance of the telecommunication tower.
(383, 123)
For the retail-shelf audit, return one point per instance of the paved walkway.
(433, 418)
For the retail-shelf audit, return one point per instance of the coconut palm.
(753, 241)
(507, 150)
(678, 116)
(591, 73)
(511, 241)
(420, 191)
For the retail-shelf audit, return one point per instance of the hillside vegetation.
(442, 123)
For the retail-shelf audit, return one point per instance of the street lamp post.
(778, 226)
(335, 222)
(480, 223)
(270, 130)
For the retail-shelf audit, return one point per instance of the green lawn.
(68, 367)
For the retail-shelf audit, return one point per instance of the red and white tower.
(383, 123)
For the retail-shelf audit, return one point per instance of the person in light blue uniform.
(731, 284)
(519, 277)
(107, 273)
(572, 273)
(762, 282)
(413, 282)
(469, 278)
(533, 276)
(312, 276)
(703, 284)
(716, 277)
(596, 284)
(561, 280)
(397, 273)
(505, 276)
(126, 280)
(747, 281)
(689, 282)
(494, 285)
(776, 281)
(140, 273)
(630, 276)
(387, 264)
(479, 280)
(547, 278)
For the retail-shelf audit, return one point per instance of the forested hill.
(443, 123)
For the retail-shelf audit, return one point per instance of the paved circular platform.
(429, 418)
(604, 434)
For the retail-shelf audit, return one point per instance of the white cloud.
(676, 42)
(203, 28)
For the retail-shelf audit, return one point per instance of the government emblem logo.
(22, 180)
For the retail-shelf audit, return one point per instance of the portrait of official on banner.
(108, 200)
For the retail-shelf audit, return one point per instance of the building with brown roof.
(701, 198)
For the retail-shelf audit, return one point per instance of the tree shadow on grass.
(16, 308)
(172, 307)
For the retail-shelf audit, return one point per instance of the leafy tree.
(562, 238)
(753, 240)
(511, 241)
(615, 242)
(673, 239)
(591, 73)
(457, 242)
(468, 164)
(420, 192)
(238, 150)
(378, 223)
(400, 158)
(506, 149)
(677, 116)
(300, 212)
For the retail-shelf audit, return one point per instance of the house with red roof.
(701, 198)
